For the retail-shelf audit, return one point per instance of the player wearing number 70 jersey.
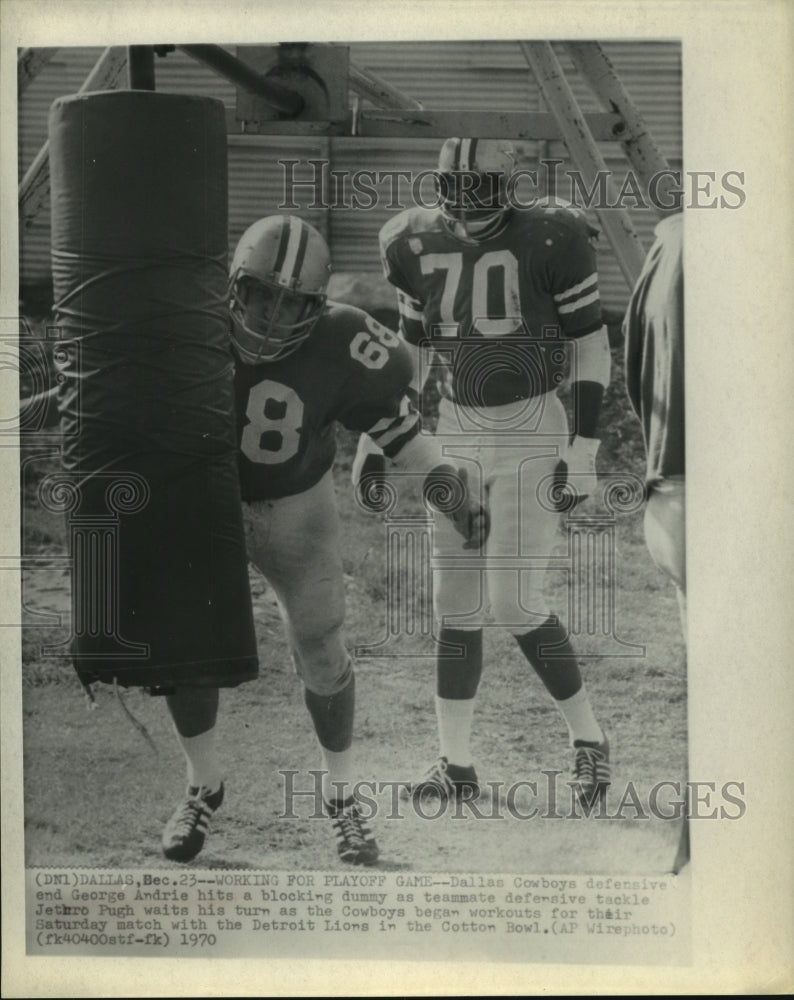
(498, 296)
(303, 363)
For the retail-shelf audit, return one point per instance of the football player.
(501, 297)
(303, 363)
(654, 355)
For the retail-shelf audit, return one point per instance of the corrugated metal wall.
(443, 75)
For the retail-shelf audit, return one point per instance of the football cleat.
(277, 287)
(186, 830)
(355, 844)
(445, 781)
(591, 772)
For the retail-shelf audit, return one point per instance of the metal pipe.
(636, 139)
(286, 101)
(382, 94)
(30, 63)
(482, 124)
(140, 67)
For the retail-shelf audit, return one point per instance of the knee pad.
(458, 673)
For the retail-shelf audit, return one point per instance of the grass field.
(97, 793)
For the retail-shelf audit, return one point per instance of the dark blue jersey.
(352, 370)
(498, 312)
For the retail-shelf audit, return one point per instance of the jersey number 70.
(495, 271)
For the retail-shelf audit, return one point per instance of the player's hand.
(575, 477)
(448, 491)
(369, 474)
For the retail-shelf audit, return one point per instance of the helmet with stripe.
(277, 287)
(473, 186)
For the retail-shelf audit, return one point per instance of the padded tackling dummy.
(139, 256)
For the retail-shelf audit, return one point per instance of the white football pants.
(512, 451)
(295, 543)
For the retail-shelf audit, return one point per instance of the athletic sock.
(457, 679)
(454, 729)
(458, 673)
(337, 777)
(553, 659)
(203, 769)
(333, 717)
(578, 714)
(552, 656)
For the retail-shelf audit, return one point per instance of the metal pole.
(35, 185)
(140, 67)
(289, 102)
(652, 168)
(585, 154)
(429, 123)
(29, 64)
(382, 94)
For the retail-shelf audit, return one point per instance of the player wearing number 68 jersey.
(302, 364)
(353, 371)
(504, 303)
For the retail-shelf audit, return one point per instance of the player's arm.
(369, 463)
(445, 488)
(590, 378)
(410, 307)
(574, 279)
(378, 405)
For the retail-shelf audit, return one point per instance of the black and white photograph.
(375, 589)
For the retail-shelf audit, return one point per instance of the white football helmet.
(472, 182)
(277, 287)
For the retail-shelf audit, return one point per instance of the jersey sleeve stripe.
(572, 307)
(394, 450)
(382, 425)
(410, 308)
(576, 289)
(395, 430)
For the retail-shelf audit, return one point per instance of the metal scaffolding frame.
(284, 101)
